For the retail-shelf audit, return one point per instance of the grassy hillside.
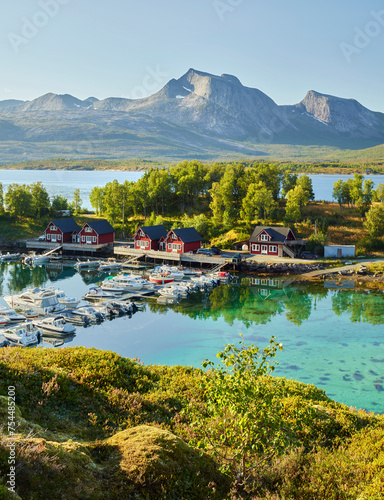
(91, 425)
(116, 154)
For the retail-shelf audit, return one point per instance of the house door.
(264, 249)
(89, 240)
(53, 238)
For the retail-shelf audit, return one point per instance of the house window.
(174, 237)
(264, 237)
(273, 248)
(83, 239)
(59, 237)
(48, 236)
(94, 239)
(88, 229)
(53, 228)
(179, 246)
(169, 246)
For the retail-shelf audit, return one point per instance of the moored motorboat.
(42, 300)
(160, 278)
(109, 265)
(55, 325)
(87, 264)
(65, 300)
(172, 272)
(4, 342)
(9, 256)
(12, 315)
(25, 334)
(35, 259)
(3, 320)
(98, 293)
(111, 286)
(88, 312)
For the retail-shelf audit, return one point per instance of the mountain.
(198, 115)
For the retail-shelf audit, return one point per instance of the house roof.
(278, 234)
(66, 225)
(187, 234)
(154, 232)
(101, 226)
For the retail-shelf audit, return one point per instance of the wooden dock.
(157, 256)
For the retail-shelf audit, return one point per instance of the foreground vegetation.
(91, 424)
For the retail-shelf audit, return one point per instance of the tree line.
(224, 193)
(22, 200)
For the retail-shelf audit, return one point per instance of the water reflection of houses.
(270, 288)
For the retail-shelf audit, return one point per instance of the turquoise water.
(332, 338)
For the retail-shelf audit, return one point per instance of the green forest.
(222, 201)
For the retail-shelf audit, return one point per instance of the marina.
(329, 338)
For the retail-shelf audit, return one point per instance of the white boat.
(175, 289)
(63, 299)
(12, 315)
(42, 300)
(4, 342)
(112, 287)
(172, 272)
(25, 334)
(205, 281)
(171, 293)
(129, 283)
(109, 265)
(9, 256)
(55, 325)
(3, 320)
(89, 313)
(120, 307)
(87, 264)
(36, 259)
(222, 276)
(30, 314)
(98, 293)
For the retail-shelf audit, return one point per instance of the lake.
(332, 337)
(64, 182)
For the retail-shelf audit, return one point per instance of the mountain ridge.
(205, 107)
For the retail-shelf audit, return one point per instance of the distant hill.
(199, 115)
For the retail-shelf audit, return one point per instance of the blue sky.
(131, 48)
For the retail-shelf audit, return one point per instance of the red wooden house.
(182, 240)
(96, 232)
(274, 241)
(60, 231)
(148, 237)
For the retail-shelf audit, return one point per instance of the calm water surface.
(333, 338)
(64, 182)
